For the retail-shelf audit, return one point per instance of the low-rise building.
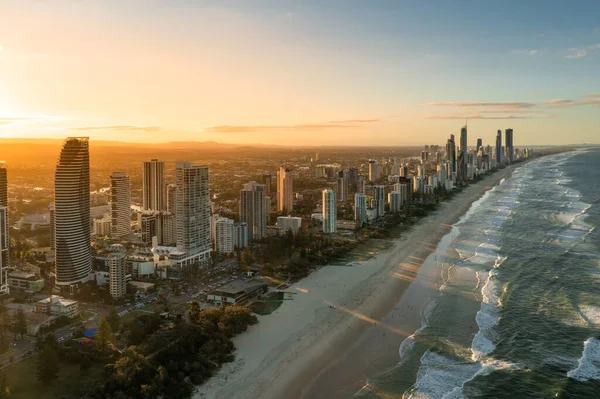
(289, 223)
(237, 292)
(23, 281)
(58, 306)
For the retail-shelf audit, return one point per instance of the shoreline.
(329, 353)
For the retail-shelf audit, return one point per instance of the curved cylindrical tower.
(72, 213)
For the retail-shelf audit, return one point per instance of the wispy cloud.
(492, 116)
(482, 104)
(560, 103)
(342, 124)
(118, 128)
(9, 120)
(594, 46)
(530, 52)
(575, 52)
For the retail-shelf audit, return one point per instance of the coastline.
(307, 349)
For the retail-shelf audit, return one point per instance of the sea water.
(518, 313)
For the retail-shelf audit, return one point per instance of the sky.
(301, 72)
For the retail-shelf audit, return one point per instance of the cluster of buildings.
(177, 227)
(434, 170)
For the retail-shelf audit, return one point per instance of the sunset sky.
(300, 72)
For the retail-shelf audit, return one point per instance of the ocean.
(516, 313)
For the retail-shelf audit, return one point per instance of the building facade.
(120, 205)
(285, 190)
(118, 270)
(379, 200)
(289, 223)
(360, 209)
(4, 229)
(329, 211)
(153, 186)
(193, 213)
(72, 213)
(253, 209)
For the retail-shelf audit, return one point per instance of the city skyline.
(387, 73)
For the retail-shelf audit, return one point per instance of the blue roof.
(90, 333)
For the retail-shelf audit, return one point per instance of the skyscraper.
(153, 186)
(479, 144)
(510, 151)
(72, 213)
(342, 187)
(4, 229)
(379, 200)
(285, 190)
(463, 155)
(171, 198)
(267, 181)
(451, 152)
(360, 209)
(329, 211)
(499, 148)
(253, 209)
(374, 170)
(120, 205)
(117, 270)
(193, 213)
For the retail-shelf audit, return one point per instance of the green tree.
(193, 311)
(104, 336)
(47, 365)
(113, 319)
(20, 322)
(247, 258)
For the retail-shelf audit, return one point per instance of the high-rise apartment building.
(172, 198)
(361, 186)
(510, 151)
(479, 144)
(329, 211)
(4, 229)
(253, 209)
(360, 209)
(342, 187)
(379, 200)
(72, 213)
(240, 235)
(395, 201)
(285, 190)
(153, 186)
(193, 213)
(499, 148)
(117, 270)
(374, 170)
(120, 205)
(223, 234)
(268, 182)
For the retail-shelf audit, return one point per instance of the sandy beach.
(309, 349)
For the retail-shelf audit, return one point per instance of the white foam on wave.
(487, 317)
(440, 377)
(587, 368)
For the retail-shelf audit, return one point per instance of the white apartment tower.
(120, 205)
(379, 200)
(285, 190)
(193, 213)
(223, 232)
(360, 208)
(72, 213)
(117, 270)
(329, 211)
(153, 186)
(395, 201)
(253, 209)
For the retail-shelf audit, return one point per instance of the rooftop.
(58, 300)
(238, 286)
